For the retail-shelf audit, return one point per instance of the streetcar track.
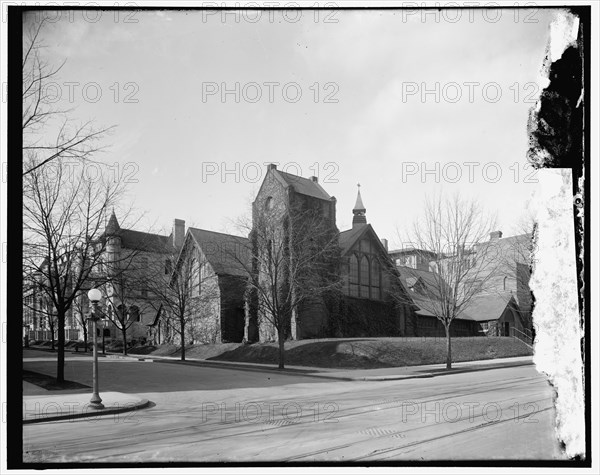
(347, 413)
(396, 448)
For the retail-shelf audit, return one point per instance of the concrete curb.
(307, 373)
(140, 404)
(325, 375)
(128, 357)
(440, 373)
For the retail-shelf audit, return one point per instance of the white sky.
(370, 135)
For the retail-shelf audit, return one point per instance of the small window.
(269, 203)
(134, 314)
(167, 266)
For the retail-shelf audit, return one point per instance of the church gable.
(272, 197)
(367, 266)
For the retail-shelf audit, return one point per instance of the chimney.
(385, 244)
(314, 179)
(495, 235)
(271, 166)
(178, 232)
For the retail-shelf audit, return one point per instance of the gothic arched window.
(364, 277)
(269, 203)
(375, 279)
(353, 276)
(194, 277)
(134, 314)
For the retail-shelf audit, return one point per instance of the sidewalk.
(40, 405)
(379, 374)
(428, 371)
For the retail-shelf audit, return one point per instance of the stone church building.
(361, 301)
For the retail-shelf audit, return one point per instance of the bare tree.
(81, 311)
(125, 290)
(453, 233)
(290, 262)
(63, 217)
(47, 315)
(48, 132)
(184, 293)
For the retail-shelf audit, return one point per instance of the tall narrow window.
(194, 277)
(134, 314)
(375, 280)
(364, 277)
(167, 266)
(353, 276)
(504, 282)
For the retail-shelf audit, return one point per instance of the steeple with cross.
(359, 211)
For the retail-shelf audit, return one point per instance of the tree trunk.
(182, 323)
(448, 348)
(52, 326)
(85, 338)
(124, 334)
(60, 369)
(281, 339)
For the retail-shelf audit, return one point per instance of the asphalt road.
(202, 414)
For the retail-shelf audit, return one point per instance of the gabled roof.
(424, 305)
(139, 240)
(349, 237)
(409, 276)
(483, 308)
(227, 254)
(304, 186)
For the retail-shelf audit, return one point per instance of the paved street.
(218, 414)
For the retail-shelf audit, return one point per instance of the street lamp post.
(94, 295)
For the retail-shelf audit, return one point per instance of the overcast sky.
(361, 116)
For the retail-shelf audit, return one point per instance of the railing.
(70, 334)
(524, 337)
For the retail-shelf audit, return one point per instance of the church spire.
(359, 210)
(113, 225)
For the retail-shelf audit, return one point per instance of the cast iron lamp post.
(94, 295)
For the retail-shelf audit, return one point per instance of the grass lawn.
(358, 352)
(49, 382)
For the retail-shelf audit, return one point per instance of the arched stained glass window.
(364, 277)
(195, 277)
(375, 279)
(353, 276)
(375, 270)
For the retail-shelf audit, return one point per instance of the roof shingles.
(304, 186)
(227, 254)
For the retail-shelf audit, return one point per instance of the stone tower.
(282, 204)
(113, 243)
